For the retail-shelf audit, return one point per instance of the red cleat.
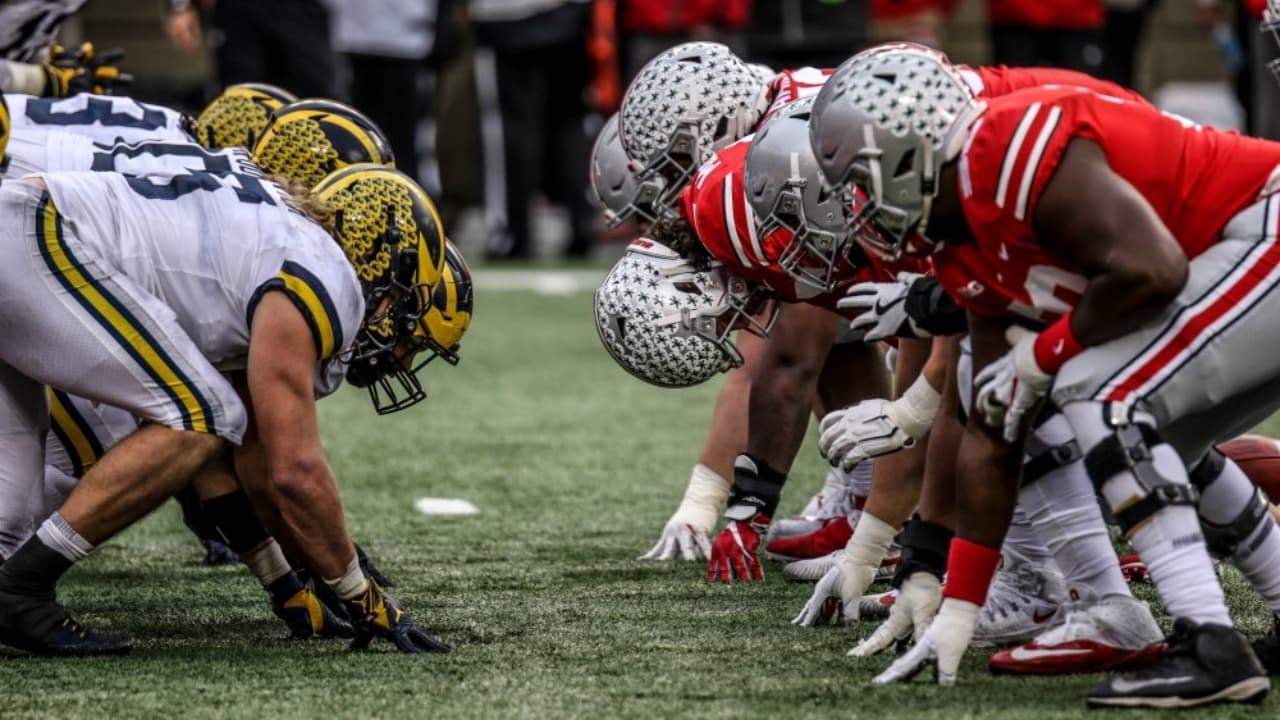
(832, 536)
(1112, 634)
(1134, 570)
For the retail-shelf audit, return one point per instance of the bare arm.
(1096, 220)
(987, 468)
(307, 505)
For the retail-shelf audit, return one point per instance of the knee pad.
(1208, 469)
(1050, 459)
(1128, 449)
(1223, 540)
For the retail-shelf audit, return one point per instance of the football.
(1259, 457)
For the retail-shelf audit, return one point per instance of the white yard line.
(445, 506)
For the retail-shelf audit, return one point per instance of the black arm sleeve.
(932, 310)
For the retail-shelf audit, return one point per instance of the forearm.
(727, 434)
(897, 478)
(938, 495)
(310, 511)
(1115, 304)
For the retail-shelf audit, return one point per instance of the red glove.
(735, 551)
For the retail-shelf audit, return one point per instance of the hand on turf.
(942, 645)
(917, 602)
(837, 595)
(735, 552)
(683, 537)
(374, 614)
(882, 310)
(1010, 388)
(859, 432)
(307, 617)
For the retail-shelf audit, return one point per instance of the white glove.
(840, 591)
(913, 610)
(1011, 387)
(944, 643)
(882, 309)
(686, 532)
(837, 595)
(878, 427)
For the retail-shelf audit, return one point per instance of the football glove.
(837, 595)
(917, 603)
(752, 502)
(307, 617)
(858, 432)
(942, 645)
(84, 71)
(882, 310)
(374, 614)
(686, 532)
(1009, 389)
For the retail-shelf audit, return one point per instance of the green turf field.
(575, 467)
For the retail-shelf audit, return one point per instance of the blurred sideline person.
(387, 44)
(532, 71)
(1047, 33)
(282, 42)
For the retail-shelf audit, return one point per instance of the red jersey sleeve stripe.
(1033, 164)
(731, 225)
(1011, 154)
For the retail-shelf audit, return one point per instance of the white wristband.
(914, 412)
(871, 540)
(352, 582)
(22, 78)
(704, 498)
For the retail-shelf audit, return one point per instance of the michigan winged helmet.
(237, 116)
(309, 139)
(392, 235)
(452, 305)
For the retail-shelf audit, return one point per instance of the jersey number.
(248, 189)
(1052, 291)
(42, 111)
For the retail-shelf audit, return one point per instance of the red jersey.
(791, 85)
(1047, 14)
(993, 81)
(1195, 178)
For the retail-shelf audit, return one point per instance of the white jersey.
(209, 247)
(30, 153)
(102, 119)
(29, 26)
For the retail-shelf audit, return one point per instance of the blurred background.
(493, 104)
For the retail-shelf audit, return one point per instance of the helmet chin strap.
(928, 189)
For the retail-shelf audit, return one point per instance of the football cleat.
(790, 527)
(1204, 664)
(813, 569)
(832, 536)
(877, 605)
(42, 627)
(1024, 600)
(1134, 570)
(1114, 633)
(307, 617)
(1267, 648)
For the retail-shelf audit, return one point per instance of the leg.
(23, 422)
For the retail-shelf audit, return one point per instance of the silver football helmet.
(670, 322)
(785, 188)
(887, 122)
(1271, 23)
(682, 107)
(613, 179)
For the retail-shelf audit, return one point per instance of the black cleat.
(216, 552)
(41, 627)
(1267, 648)
(1205, 664)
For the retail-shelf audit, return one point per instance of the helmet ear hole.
(722, 128)
(906, 163)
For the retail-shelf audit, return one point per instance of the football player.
(238, 115)
(1171, 257)
(31, 62)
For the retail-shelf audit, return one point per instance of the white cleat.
(1024, 601)
(813, 569)
(1114, 633)
(835, 499)
(878, 605)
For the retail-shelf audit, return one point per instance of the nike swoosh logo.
(1124, 686)
(882, 309)
(1057, 349)
(1004, 252)
(1036, 617)
(1022, 653)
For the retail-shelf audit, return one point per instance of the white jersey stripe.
(1011, 154)
(751, 232)
(731, 226)
(1033, 163)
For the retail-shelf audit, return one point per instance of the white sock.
(1024, 540)
(1258, 556)
(859, 478)
(351, 584)
(63, 539)
(267, 563)
(1169, 541)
